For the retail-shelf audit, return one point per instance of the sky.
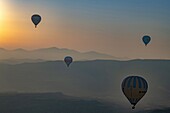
(114, 27)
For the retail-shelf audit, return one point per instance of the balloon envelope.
(134, 88)
(36, 19)
(146, 39)
(68, 60)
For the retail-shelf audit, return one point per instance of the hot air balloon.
(36, 19)
(68, 60)
(146, 39)
(134, 88)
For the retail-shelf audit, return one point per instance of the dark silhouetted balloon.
(68, 60)
(146, 39)
(134, 88)
(36, 19)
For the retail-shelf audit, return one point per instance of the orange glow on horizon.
(2, 16)
(4, 24)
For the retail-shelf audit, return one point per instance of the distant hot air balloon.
(36, 19)
(68, 60)
(134, 88)
(146, 39)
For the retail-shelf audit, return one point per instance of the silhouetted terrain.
(52, 53)
(93, 79)
(163, 110)
(52, 103)
(59, 103)
(20, 61)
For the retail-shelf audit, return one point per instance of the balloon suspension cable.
(35, 26)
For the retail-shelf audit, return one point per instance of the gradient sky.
(114, 27)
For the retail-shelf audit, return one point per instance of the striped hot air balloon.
(134, 88)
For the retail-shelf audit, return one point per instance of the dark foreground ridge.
(58, 103)
(50, 103)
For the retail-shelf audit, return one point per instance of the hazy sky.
(114, 27)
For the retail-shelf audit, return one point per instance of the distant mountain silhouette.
(96, 79)
(52, 53)
(20, 61)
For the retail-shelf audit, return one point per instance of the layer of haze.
(114, 27)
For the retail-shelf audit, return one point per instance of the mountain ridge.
(53, 53)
